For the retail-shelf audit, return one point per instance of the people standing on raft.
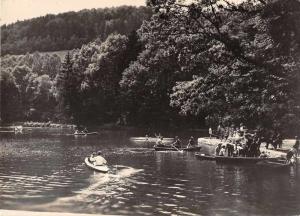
(218, 149)
(222, 151)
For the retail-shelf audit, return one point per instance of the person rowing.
(97, 159)
(177, 143)
(191, 142)
(85, 130)
(159, 142)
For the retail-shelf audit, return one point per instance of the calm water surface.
(44, 170)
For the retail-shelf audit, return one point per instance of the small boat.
(279, 164)
(241, 160)
(85, 134)
(102, 168)
(205, 157)
(170, 148)
(150, 139)
(234, 160)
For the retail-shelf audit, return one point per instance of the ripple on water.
(170, 205)
(179, 196)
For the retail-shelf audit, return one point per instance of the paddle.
(176, 148)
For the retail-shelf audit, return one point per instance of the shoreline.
(213, 142)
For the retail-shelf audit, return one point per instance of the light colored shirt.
(222, 152)
(98, 160)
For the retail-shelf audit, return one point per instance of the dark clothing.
(177, 143)
(191, 142)
(230, 149)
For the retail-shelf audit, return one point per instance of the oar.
(176, 148)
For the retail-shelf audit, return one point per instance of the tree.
(10, 104)
(66, 91)
(100, 87)
(250, 77)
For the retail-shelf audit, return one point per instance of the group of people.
(224, 133)
(246, 146)
(177, 142)
(85, 130)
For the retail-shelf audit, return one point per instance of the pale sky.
(13, 10)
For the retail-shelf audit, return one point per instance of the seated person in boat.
(191, 143)
(85, 130)
(76, 132)
(218, 149)
(98, 160)
(159, 142)
(177, 142)
(222, 151)
(263, 155)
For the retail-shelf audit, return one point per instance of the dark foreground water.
(43, 170)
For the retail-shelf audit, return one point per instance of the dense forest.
(70, 30)
(206, 61)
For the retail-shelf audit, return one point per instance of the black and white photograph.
(150, 107)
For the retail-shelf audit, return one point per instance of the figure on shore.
(210, 132)
(221, 132)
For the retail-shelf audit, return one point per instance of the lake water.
(44, 170)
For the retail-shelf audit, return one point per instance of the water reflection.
(45, 172)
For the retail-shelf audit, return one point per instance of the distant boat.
(18, 129)
(170, 148)
(150, 139)
(234, 160)
(205, 157)
(240, 160)
(102, 168)
(84, 134)
(275, 165)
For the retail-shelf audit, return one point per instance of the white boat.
(150, 139)
(102, 168)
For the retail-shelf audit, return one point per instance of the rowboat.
(170, 148)
(277, 165)
(85, 134)
(205, 157)
(234, 160)
(102, 168)
(241, 160)
(150, 139)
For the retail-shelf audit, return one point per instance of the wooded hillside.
(70, 30)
